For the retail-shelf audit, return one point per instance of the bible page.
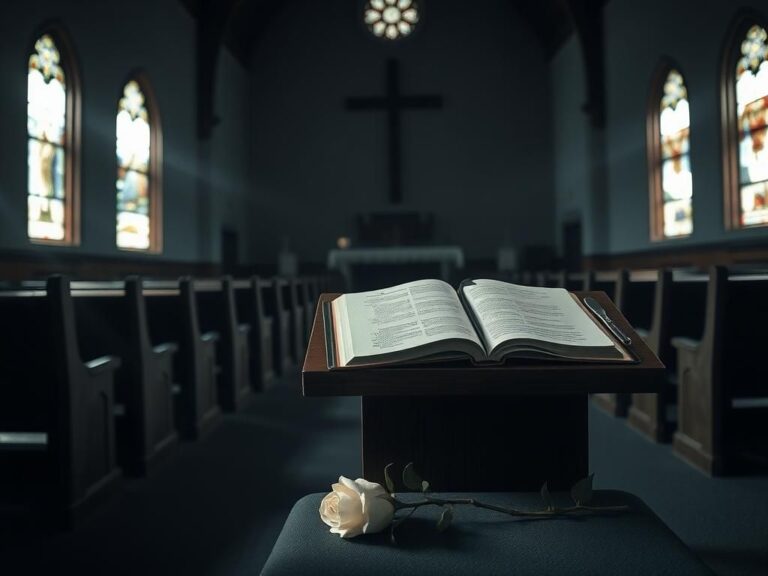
(403, 317)
(509, 311)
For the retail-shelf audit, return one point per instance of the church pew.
(332, 281)
(292, 299)
(604, 280)
(647, 412)
(634, 296)
(723, 398)
(527, 278)
(273, 291)
(172, 315)
(251, 310)
(112, 319)
(574, 281)
(550, 279)
(57, 434)
(678, 311)
(612, 283)
(217, 311)
(512, 276)
(558, 279)
(309, 299)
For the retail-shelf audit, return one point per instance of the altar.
(445, 258)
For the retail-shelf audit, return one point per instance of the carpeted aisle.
(216, 506)
(724, 520)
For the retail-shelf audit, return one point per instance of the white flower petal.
(364, 486)
(329, 510)
(378, 513)
(349, 483)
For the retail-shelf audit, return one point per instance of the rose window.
(391, 19)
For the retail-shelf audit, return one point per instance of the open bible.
(485, 321)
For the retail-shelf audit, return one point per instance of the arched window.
(671, 182)
(745, 120)
(138, 167)
(52, 141)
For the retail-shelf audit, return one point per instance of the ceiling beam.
(212, 18)
(588, 19)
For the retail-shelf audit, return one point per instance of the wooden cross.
(393, 103)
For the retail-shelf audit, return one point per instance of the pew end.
(723, 428)
(57, 422)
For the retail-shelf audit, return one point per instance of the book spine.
(330, 342)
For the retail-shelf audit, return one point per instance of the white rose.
(356, 507)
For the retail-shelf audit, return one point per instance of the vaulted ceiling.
(239, 23)
(551, 20)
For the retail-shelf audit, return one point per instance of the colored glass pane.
(675, 144)
(678, 218)
(676, 176)
(754, 204)
(132, 231)
(753, 157)
(133, 141)
(132, 191)
(391, 19)
(45, 170)
(46, 218)
(46, 152)
(752, 111)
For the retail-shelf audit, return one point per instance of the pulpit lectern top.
(480, 428)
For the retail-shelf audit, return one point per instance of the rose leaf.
(547, 497)
(445, 518)
(582, 491)
(411, 480)
(388, 479)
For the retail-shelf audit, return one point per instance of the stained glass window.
(676, 178)
(752, 112)
(391, 19)
(48, 215)
(133, 128)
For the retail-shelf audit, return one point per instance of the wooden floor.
(215, 506)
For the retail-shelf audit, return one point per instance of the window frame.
(729, 130)
(155, 168)
(72, 137)
(653, 149)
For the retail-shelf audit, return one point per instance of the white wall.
(482, 164)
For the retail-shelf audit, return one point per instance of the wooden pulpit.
(480, 428)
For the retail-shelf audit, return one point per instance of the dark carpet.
(216, 506)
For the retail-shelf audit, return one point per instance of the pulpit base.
(478, 443)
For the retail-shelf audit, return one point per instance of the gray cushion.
(484, 542)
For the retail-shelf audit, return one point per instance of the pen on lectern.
(600, 312)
